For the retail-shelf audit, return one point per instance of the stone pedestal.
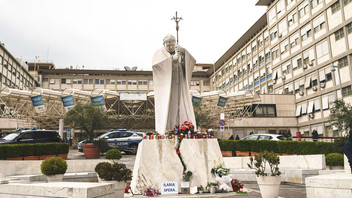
(157, 162)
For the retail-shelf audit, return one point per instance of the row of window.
(314, 105)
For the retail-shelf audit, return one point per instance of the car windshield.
(10, 136)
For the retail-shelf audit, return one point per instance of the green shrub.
(26, 149)
(259, 146)
(228, 145)
(113, 154)
(114, 171)
(245, 145)
(13, 151)
(2, 151)
(62, 148)
(288, 147)
(334, 159)
(53, 166)
(339, 143)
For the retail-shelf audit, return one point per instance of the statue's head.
(169, 43)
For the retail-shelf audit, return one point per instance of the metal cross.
(177, 19)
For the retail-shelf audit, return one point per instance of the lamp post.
(338, 70)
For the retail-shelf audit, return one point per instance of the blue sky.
(111, 34)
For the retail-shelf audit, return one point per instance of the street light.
(338, 70)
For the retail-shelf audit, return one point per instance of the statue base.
(157, 162)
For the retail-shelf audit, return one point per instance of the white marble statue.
(172, 73)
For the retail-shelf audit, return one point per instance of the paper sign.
(169, 188)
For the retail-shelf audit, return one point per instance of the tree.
(87, 117)
(341, 115)
(202, 116)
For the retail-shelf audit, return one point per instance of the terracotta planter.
(226, 153)
(15, 158)
(91, 151)
(119, 187)
(63, 156)
(43, 157)
(31, 158)
(269, 186)
(284, 154)
(242, 153)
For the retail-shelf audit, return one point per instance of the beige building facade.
(290, 51)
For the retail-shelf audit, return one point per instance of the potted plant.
(212, 186)
(87, 117)
(200, 189)
(54, 169)
(268, 181)
(185, 179)
(115, 173)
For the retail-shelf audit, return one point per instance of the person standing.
(237, 138)
(315, 135)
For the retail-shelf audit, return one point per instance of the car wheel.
(133, 149)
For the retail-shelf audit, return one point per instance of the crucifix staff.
(177, 19)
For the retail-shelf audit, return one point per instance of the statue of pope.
(172, 73)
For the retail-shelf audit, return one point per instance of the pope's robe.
(173, 104)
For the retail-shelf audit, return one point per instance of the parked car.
(121, 139)
(264, 137)
(31, 136)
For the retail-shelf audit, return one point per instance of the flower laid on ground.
(200, 188)
(150, 192)
(236, 185)
(187, 175)
(219, 169)
(212, 184)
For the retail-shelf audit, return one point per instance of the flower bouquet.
(200, 188)
(219, 170)
(236, 185)
(187, 175)
(150, 192)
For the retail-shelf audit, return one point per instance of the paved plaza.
(287, 190)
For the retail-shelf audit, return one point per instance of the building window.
(345, 2)
(90, 81)
(123, 82)
(315, 2)
(342, 62)
(97, 81)
(349, 27)
(63, 80)
(335, 7)
(195, 83)
(292, 19)
(264, 110)
(339, 34)
(101, 82)
(303, 11)
(85, 81)
(347, 91)
(275, 54)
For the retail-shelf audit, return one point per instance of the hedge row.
(38, 149)
(288, 147)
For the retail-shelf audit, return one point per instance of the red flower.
(127, 189)
(178, 152)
